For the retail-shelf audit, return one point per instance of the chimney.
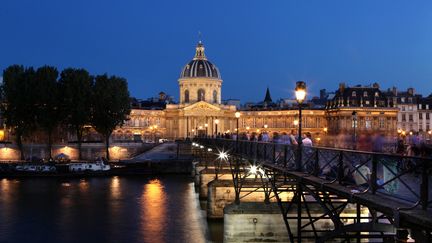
(394, 91)
(411, 91)
(341, 87)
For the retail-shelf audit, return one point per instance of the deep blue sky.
(255, 44)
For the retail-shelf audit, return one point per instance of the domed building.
(200, 80)
(200, 110)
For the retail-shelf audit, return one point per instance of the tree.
(48, 102)
(18, 101)
(111, 105)
(76, 86)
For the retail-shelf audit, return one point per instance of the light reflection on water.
(111, 209)
(153, 206)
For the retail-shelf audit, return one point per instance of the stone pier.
(254, 222)
(222, 193)
(208, 175)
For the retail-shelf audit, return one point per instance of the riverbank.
(180, 166)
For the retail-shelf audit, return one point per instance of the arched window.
(201, 95)
(215, 99)
(186, 96)
(353, 94)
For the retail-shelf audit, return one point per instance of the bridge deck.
(382, 203)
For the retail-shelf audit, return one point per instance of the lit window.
(365, 94)
(201, 95)
(215, 96)
(403, 99)
(376, 94)
(353, 94)
(368, 124)
(381, 122)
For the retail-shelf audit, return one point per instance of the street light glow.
(300, 91)
(209, 149)
(216, 121)
(253, 169)
(237, 115)
(296, 122)
(201, 146)
(223, 155)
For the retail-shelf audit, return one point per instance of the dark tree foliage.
(76, 86)
(111, 105)
(18, 101)
(49, 112)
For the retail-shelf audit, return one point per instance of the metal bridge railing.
(400, 177)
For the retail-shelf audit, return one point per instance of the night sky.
(255, 44)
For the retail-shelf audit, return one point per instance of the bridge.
(326, 194)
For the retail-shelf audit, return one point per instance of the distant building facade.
(362, 108)
(200, 108)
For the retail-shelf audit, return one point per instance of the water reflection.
(115, 188)
(110, 209)
(153, 206)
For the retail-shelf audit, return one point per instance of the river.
(104, 209)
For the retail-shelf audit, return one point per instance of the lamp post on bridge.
(237, 116)
(354, 120)
(300, 93)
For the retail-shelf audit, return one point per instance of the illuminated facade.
(200, 112)
(362, 108)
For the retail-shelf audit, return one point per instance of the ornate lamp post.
(237, 116)
(354, 120)
(300, 93)
(216, 126)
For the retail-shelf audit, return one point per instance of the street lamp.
(237, 116)
(216, 125)
(300, 93)
(354, 118)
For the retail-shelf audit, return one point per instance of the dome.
(200, 67)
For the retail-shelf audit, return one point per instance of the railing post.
(340, 174)
(178, 149)
(274, 153)
(299, 157)
(285, 155)
(424, 187)
(316, 165)
(256, 151)
(265, 151)
(374, 176)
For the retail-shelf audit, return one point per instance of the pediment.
(202, 106)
